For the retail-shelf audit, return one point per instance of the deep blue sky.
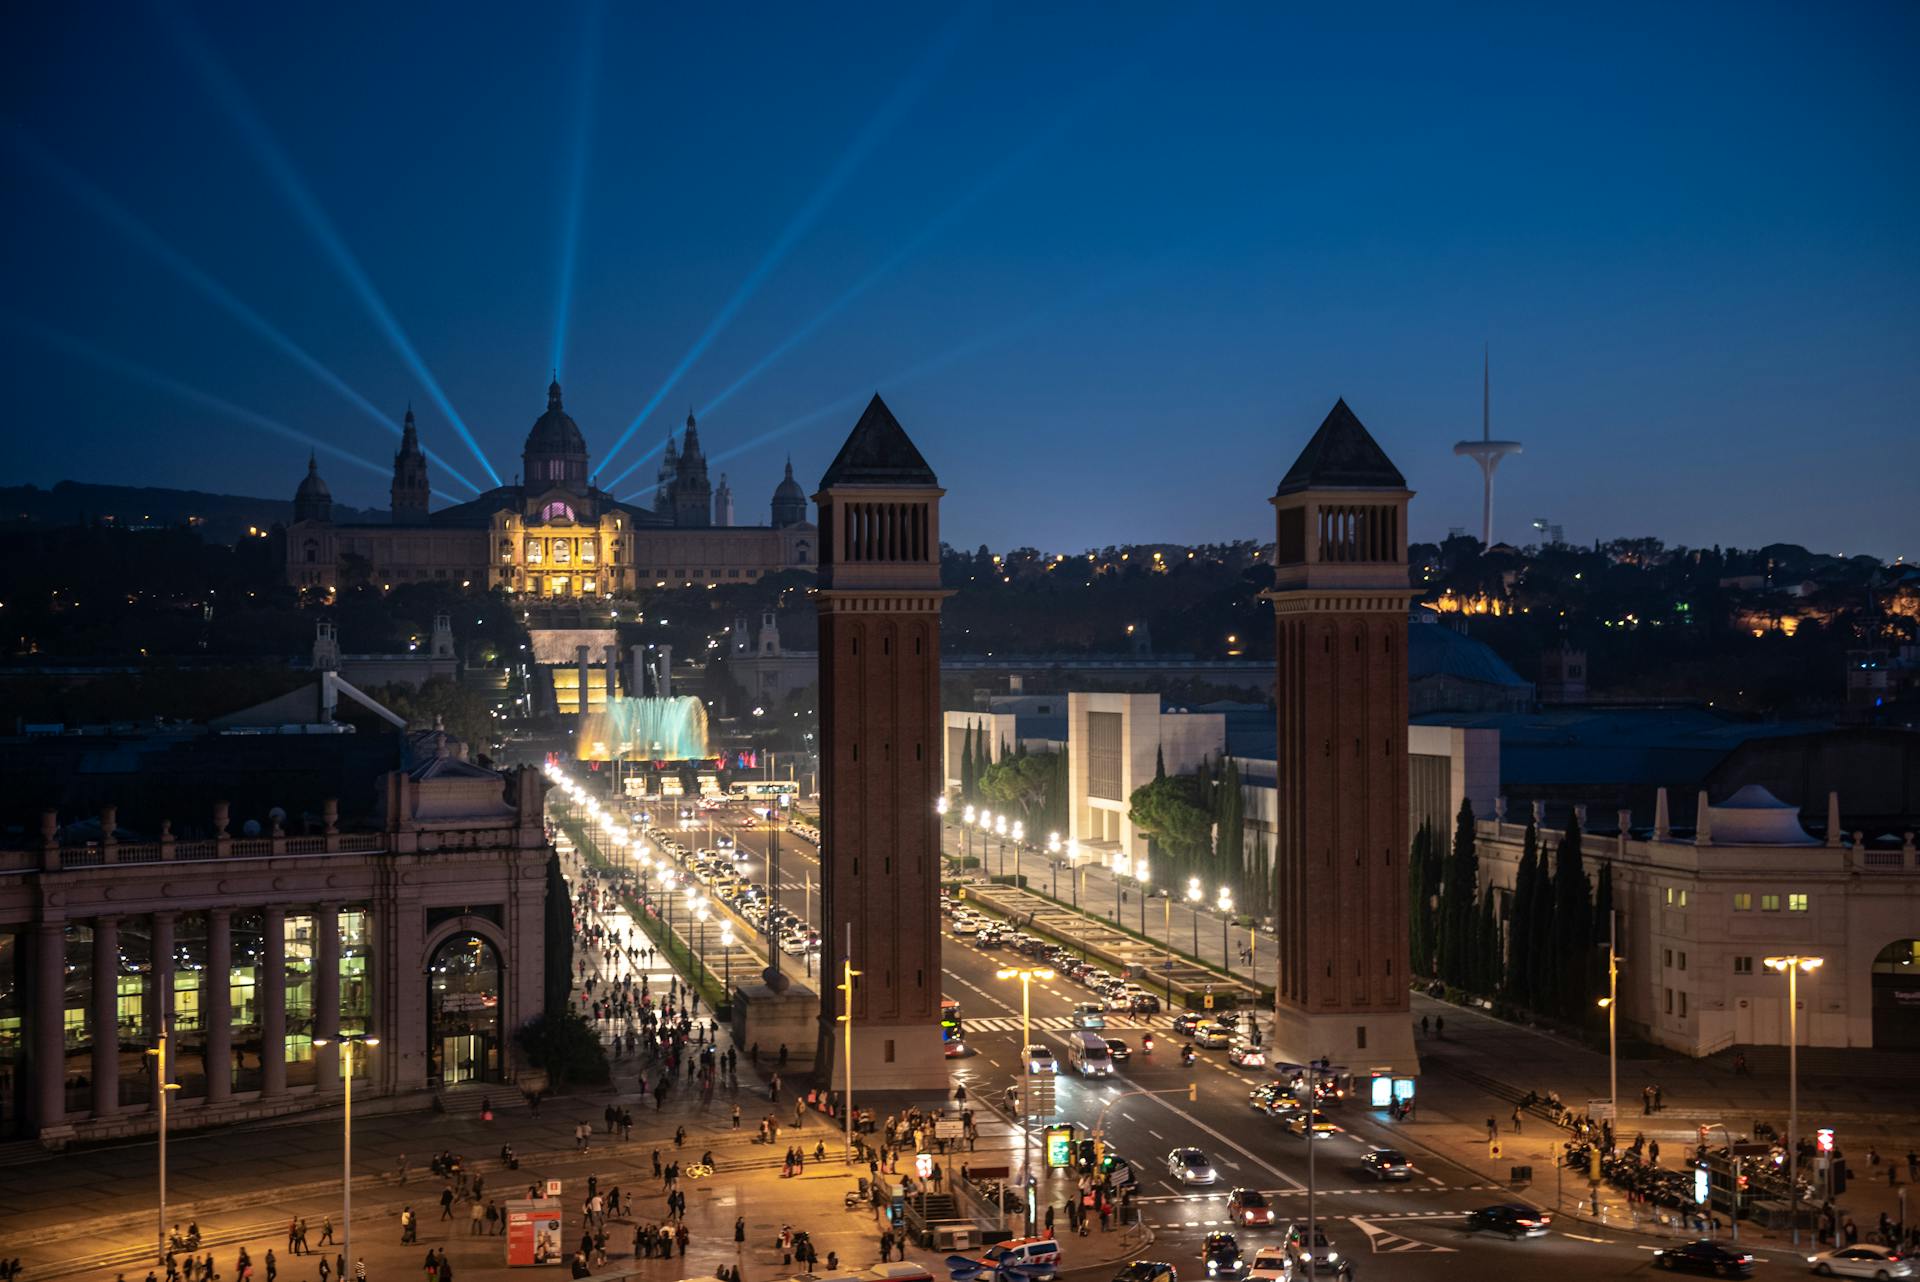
(1688, 233)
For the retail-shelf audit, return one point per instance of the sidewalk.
(1482, 1066)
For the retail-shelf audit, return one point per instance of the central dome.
(555, 453)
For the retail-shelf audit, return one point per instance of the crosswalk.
(1040, 1023)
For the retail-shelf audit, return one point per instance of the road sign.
(949, 1128)
(1493, 1150)
(553, 1188)
(923, 1164)
(1824, 1140)
(1601, 1110)
(1207, 1001)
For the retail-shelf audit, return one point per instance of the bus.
(779, 791)
(951, 1030)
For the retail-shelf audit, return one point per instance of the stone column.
(106, 1016)
(216, 1005)
(637, 678)
(50, 1023)
(160, 989)
(613, 671)
(326, 996)
(272, 983)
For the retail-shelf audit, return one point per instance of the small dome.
(1755, 817)
(555, 431)
(790, 488)
(312, 488)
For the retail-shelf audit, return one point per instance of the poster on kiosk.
(533, 1233)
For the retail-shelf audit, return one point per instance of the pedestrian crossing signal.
(1493, 1150)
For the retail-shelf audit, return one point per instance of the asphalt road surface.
(1411, 1230)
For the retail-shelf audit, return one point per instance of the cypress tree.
(1159, 764)
(1519, 923)
(1572, 922)
(1458, 899)
(1420, 942)
(1542, 968)
(557, 938)
(966, 765)
(1602, 910)
(1486, 953)
(1230, 813)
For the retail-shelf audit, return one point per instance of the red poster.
(533, 1232)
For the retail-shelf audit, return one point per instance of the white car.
(1190, 1166)
(966, 925)
(1246, 1055)
(1040, 1060)
(1269, 1265)
(1862, 1261)
(1212, 1036)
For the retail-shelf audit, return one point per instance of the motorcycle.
(1186, 1057)
(189, 1241)
(1146, 1044)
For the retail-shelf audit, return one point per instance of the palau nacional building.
(554, 533)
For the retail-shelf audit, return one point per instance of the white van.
(1089, 1055)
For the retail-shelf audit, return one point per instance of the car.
(957, 1049)
(1114, 999)
(1220, 1252)
(1040, 1060)
(1190, 1166)
(966, 925)
(1118, 1051)
(1246, 1054)
(1386, 1164)
(1705, 1256)
(1511, 1218)
(1145, 1004)
(1323, 1128)
(1326, 1260)
(1212, 1037)
(1862, 1261)
(1089, 1015)
(1035, 1257)
(1147, 1271)
(1249, 1206)
(1187, 1025)
(1271, 1098)
(1079, 970)
(1269, 1265)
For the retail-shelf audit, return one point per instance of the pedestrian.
(736, 1117)
(326, 1231)
(446, 1204)
(1440, 1026)
(1646, 1101)
(325, 1269)
(406, 1227)
(1493, 1129)
(739, 1234)
(293, 1236)
(273, 1266)
(1516, 1119)
(1653, 1152)
(477, 1214)
(1658, 1102)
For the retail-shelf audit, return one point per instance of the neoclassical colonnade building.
(415, 917)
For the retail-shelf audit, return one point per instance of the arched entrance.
(1896, 996)
(463, 1011)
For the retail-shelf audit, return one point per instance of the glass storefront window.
(535, 552)
(188, 1048)
(243, 987)
(356, 980)
(300, 948)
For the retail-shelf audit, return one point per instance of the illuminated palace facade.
(553, 533)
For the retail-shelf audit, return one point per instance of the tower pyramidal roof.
(1342, 455)
(878, 452)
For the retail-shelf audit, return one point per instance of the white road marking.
(1156, 1134)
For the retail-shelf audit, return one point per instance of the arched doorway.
(1896, 996)
(463, 1011)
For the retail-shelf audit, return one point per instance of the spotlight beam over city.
(122, 220)
(240, 110)
(876, 130)
(138, 373)
(588, 78)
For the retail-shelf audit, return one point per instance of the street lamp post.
(347, 1042)
(700, 933)
(1073, 863)
(1166, 937)
(1121, 867)
(968, 819)
(1793, 964)
(1026, 975)
(1193, 907)
(1225, 905)
(159, 1054)
(1143, 873)
(1611, 1004)
(1018, 833)
(1000, 843)
(726, 957)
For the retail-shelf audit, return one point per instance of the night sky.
(1110, 265)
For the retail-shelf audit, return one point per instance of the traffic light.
(1089, 1155)
(1100, 1155)
(1823, 1138)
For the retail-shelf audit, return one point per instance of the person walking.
(446, 1204)
(326, 1232)
(1516, 1119)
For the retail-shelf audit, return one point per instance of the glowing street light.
(1792, 964)
(1026, 975)
(348, 1041)
(1194, 896)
